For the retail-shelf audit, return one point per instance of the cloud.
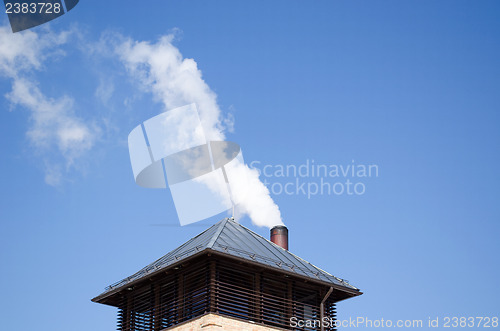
(25, 51)
(53, 123)
(105, 90)
(53, 174)
(176, 81)
(158, 68)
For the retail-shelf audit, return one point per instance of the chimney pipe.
(279, 236)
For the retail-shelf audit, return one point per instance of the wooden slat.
(223, 287)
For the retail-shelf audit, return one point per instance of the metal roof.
(231, 238)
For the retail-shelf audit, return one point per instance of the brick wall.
(212, 322)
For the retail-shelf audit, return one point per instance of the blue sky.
(410, 86)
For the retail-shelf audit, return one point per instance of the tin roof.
(231, 238)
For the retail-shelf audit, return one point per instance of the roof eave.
(109, 293)
(354, 292)
(103, 296)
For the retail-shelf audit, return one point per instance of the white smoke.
(176, 81)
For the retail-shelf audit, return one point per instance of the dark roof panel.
(232, 238)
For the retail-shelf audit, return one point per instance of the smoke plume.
(176, 81)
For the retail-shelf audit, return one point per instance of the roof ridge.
(297, 257)
(326, 272)
(175, 249)
(222, 225)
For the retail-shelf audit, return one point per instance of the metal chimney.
(279, 236)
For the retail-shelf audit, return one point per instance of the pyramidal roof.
(231, 238)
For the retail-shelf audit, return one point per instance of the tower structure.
(228, 278)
